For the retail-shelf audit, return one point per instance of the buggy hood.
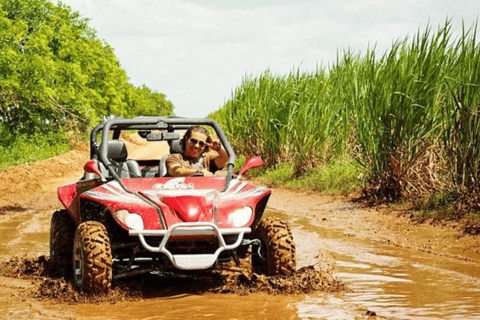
(163, 202)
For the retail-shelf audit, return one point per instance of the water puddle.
(26, 233)
(204, 306)
(391, 281)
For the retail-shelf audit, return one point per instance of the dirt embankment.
(33, 185)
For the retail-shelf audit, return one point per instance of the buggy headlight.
(131, 220)
(240, 217)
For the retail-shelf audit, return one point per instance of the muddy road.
(392, 268)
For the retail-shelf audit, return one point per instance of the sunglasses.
(202, 144)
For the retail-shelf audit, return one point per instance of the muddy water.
(205, 306)
(28, 233)
(390, 281)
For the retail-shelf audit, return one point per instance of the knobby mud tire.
(278, 249)
(62, 233)
(92, 258)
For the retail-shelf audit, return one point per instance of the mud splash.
(317, 277)
(54, 284)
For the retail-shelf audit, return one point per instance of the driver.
(196, 157)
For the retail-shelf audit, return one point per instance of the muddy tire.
(62, 232)
(278, 253)
(92, 258)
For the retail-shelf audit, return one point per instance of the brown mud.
(51, 283)
(373, 248)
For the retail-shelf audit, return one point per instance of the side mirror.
(251, 163)
(92, 167)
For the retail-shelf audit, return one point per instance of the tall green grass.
(271, 116)
(410, 116)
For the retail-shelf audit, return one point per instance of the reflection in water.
(393, 282)
(326, 307)
(203, 306)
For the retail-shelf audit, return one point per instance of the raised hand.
(213, 144)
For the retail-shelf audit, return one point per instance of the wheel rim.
(78, 265)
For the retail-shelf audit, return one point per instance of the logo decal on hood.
(174, 184)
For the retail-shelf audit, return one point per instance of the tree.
(56, 74)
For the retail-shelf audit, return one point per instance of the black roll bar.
(154, 123)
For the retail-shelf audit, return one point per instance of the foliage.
(18, 149)
(338, 175)
(409, 117)
(149, 102)
(57, 77)
(279, 110)
(278, 175)
(55, 72)
(341, 174)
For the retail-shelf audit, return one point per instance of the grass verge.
(341, 175)
(17, 150)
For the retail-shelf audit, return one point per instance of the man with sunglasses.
(197, 157)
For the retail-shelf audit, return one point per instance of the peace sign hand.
(213, 144)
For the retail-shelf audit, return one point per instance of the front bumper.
(191, 229)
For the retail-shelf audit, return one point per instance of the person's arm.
(176, 169)
(222, 157)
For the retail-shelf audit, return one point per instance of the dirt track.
(28, 198)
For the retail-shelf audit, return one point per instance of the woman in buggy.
(202, 155)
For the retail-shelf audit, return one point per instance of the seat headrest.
(117, 150)
(176, 146)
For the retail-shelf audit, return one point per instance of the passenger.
(196, 158)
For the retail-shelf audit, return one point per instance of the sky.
(198, 51)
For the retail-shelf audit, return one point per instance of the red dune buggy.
(127, 217)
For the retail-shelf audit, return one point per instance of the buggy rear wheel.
(62, 232)
(278, 253)
(92, 258)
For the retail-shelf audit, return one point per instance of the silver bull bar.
(191, 261)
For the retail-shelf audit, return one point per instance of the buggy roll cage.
(170, 124)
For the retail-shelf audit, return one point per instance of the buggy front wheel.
(92, 258)
(277, 251)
